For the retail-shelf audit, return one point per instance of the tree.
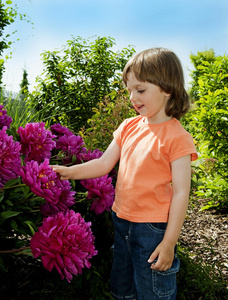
(77, 78)
(24, 84)
(7, 17)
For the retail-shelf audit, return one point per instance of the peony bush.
(40, 212)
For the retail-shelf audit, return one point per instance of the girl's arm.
(181, 181)
(91, 169)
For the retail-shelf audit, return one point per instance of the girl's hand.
(63, 172)
(164, 253)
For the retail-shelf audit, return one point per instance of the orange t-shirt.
(143, 188)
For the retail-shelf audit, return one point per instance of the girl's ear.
(167, 94)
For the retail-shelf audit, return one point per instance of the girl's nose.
(132, 96)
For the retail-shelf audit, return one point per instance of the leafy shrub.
(208, 123)
(108, 115)
(77, 78)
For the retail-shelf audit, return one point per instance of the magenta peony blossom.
(59, 130)
(36, 141)
(65, 242)
(101, 191)
(4, 119)
(71, 145)
(66, 200)
(50, 210)
(45, 183)
(92, 155)
(10, 162)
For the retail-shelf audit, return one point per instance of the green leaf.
(9, 202)
(8, 214)
(14, 225)
(32, 226)
(27, 252)
(12, 182)
(1, 197)
(73, 184)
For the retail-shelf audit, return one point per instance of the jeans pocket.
(157, 227)
(164, 283)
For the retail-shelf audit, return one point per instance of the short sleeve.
(118, 133)
(181, 146)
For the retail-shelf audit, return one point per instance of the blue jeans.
(132, 277)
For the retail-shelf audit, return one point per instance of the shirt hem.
(139, 219)
(193, 154)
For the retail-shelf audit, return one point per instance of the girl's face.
(148, 99)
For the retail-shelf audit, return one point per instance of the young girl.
(153, 183)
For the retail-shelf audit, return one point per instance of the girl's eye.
(141, 91)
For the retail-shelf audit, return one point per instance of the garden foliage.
(107, 116)
(30, 191)
(208, 124)
(77, 78)
(8, 14)
(197, 280)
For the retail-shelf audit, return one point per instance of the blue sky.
(184, 26)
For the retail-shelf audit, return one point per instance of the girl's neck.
(157, 121)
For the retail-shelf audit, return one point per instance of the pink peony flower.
(36, 141)
(45, 183)
(101, 191)
(66, 200)
(4, 119)
(59, 130)
(65, 242)
(92, 155)
(71, 145)
(10, 162)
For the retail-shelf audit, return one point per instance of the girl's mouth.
(139, 107)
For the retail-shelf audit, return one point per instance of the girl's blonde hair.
(163, 68)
